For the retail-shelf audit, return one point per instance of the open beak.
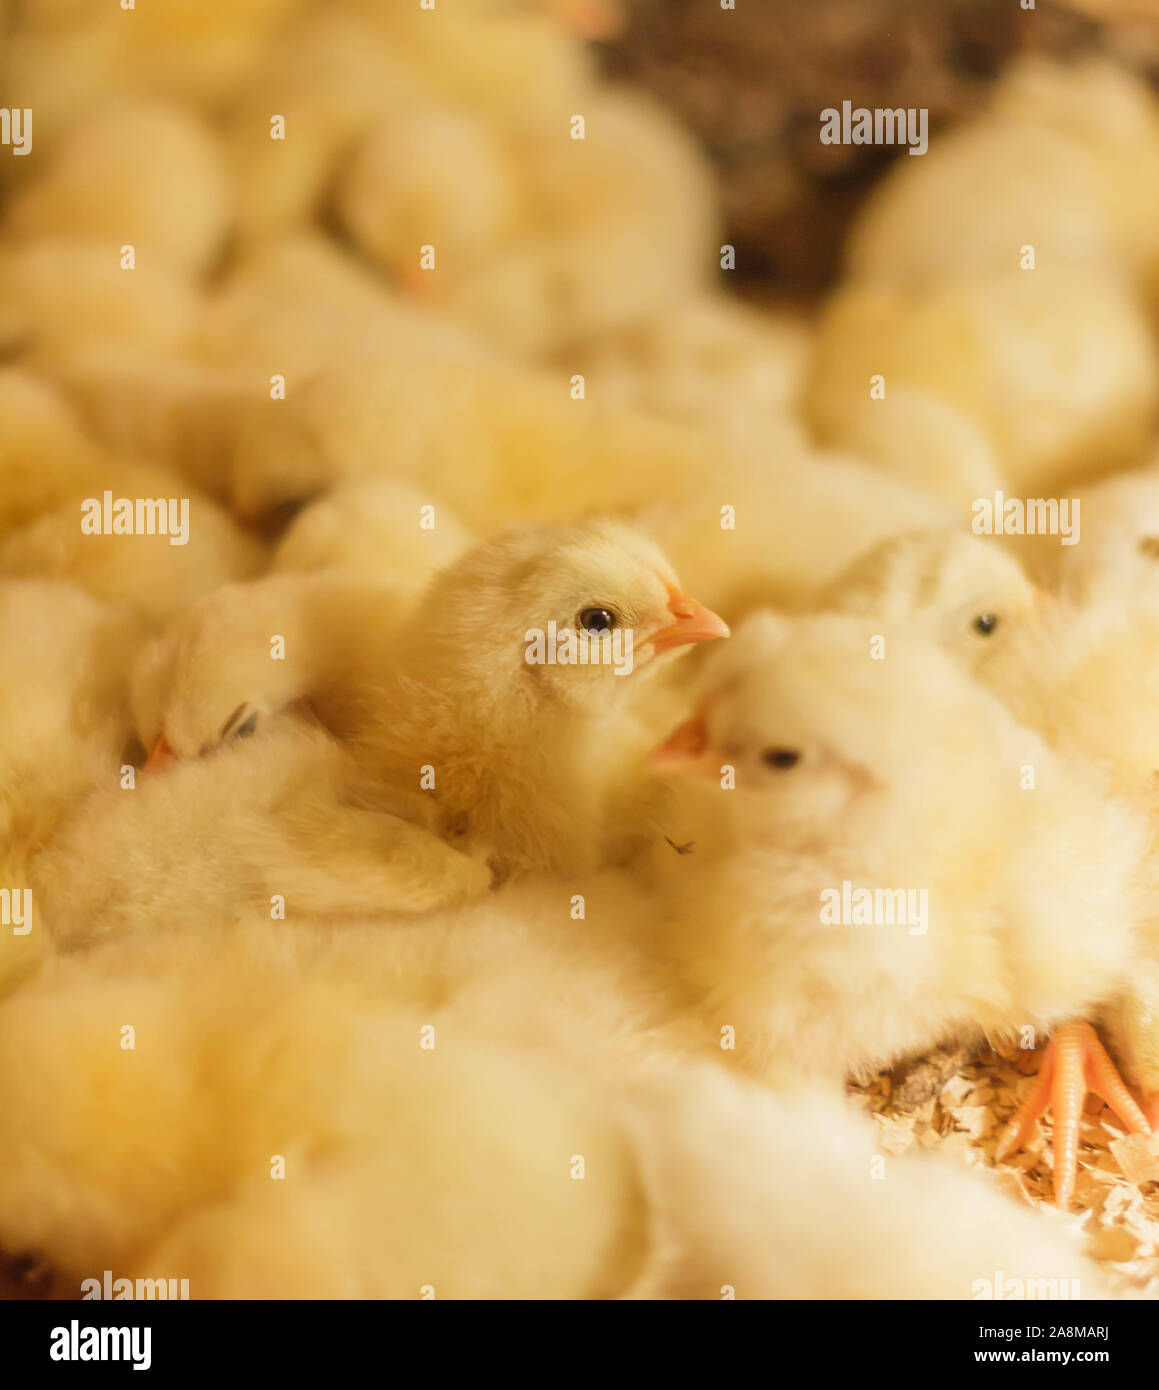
(684, 748)
(692, 622)
(160, 755)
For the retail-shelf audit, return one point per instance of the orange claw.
(1075, 1062)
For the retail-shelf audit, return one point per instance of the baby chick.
(491, 712)
(1056, 366)
(143, 172)
(384, 531)
(412, 1146)
(920, 891)
(964, 593)
(64, 704)
(535, 454)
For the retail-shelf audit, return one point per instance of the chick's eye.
(247, 727)
(597, 619)
(985, 623)
(781, 758)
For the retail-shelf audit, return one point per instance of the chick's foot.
(1075, 1063)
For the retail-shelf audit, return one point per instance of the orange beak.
(683, 749)
(693, 623)
(160, 755)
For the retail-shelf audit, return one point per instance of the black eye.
(781, 758)
(597, 620)
(247, 727)
(985, 623)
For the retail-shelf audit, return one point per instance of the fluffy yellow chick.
(623, 222)
(145, 173)
(503, 445)
(295, 303)
(922, 440)
(491, 712)
(1117, 553)
(1114, 115)
(245, 652)
(62, 293)
(967, 594)
(1055, 365)
(268, 825)
(323, 84)
(922, 890)
(778, 530)
(48, 461)
(382, 530)
(64, 703)
(709, 361)
(511, 60)
(203, 51)
(154, 575)
(412, 1147)
(175, 412)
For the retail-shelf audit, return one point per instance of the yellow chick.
(64, 703)
(535, 452)
(269, 825)
(63, 293)
(899, 916)
(381, 530)
(144, 173)
(154, 574)
(491, 712)
(968, 595)
(777, 530)
(296, 303)
(709, 361)
(922, 440)
(1057, 366)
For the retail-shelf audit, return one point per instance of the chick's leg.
(1075, 1062)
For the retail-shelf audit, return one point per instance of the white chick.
(778, 530)
(64, 705)
(1056, 366)
(381, 530)
(991, 908)
(140, 172)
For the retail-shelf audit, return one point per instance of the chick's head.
(966, 594)
(830, 733)
(211, 677)
(562, 611)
